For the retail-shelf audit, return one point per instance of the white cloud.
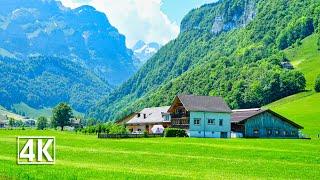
(136, 19)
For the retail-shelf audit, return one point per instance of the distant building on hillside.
(29, 122)
(260, 123)
(147, 118)
(286, 65)
(201, 116)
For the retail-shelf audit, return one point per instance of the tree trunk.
(61, 128)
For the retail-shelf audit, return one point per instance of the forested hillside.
(231, 48)
(46, 81)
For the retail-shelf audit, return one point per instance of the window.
(211, 121)
(167, 117)
(196, 122)
(276, 132)
(256, 131)
(285, 133)
(199, 132)
(269, 132)
(212, 132)
(220, 122)
(293, 133)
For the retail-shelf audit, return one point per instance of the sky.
(147, 20)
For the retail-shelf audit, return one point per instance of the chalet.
(201, 116)
(146, 119)
(263, 124)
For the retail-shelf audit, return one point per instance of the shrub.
(175, 132)
(317, 84)
(109, 128)
(145, 133)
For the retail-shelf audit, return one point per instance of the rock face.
(144, 51)
(83, 35)
(217, 20)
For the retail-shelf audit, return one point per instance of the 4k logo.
(36, 150)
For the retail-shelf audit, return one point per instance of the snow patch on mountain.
(144, 51)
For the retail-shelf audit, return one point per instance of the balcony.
(180, 115)
(182, 122)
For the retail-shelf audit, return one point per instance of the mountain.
(144, 51)
(50, 53)
(231, 48)
(83, 35)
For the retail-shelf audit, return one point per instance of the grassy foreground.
(87, 157)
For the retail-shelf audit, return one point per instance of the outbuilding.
(259, 123)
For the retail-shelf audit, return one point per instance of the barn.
(259, 123)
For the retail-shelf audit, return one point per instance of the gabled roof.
(242, 115)
(153, 115)
(203, 103)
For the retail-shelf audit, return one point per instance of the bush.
(109, 128)
(175, 132)
(317, 84)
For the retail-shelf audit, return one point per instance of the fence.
(115, 136)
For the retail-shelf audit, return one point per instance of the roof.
(204, 103)
(241, 115)
(153, 115)
(125, 119)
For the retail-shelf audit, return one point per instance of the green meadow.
(87, 157)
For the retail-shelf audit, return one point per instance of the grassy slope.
(4, 111)
(304, 108)
(87, 157)
(35, 113)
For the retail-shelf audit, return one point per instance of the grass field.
(87, 157)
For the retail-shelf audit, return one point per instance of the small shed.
(261, 123)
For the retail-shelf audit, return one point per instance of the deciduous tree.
(61, 115)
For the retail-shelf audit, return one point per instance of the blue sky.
(147, 20)
(177, 9)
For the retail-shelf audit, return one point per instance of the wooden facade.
(267, 124)
(180, 117)
(201, 116)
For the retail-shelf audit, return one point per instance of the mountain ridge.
(82, 34)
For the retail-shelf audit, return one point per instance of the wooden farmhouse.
(201, 116)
